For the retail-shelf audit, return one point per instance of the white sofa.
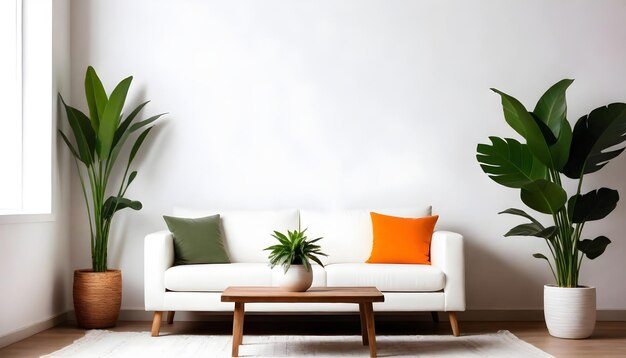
(348, 243)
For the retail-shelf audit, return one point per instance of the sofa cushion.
(197, 241)
(247, 233)
(216, 277)
(347, 234)
(386, 277)
(401, 240)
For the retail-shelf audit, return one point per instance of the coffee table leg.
(238, 327)
(363, 323)
(371, 332)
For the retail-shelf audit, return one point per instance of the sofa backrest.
(347, 234)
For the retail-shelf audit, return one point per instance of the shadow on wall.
(119, 243)
(61, 293)
(490, 278)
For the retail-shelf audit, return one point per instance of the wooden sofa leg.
(435, 316)
(170, 317)
(156, 323)
(454, 323)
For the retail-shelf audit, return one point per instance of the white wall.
(35, 269)
(351, 104)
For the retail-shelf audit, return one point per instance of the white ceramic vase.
(296, 279)
(570, 312)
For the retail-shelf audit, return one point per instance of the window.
(28, 111)
(11, 100)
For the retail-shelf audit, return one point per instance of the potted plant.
(552, 150)
(99, 140)
(293, 253)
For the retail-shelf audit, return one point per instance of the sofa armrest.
(446, 253)
(158, 257)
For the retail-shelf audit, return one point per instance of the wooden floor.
(608, 340)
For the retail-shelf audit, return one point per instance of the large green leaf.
(85, 126)
(111, 117)
(509, 163)
(145, 122)
(559, 146)
(114, 204)
(594, 205)
(561, 149)
(532, 229)
(529, 229)
(548, 233)
(83, 133)
(137, 145)
(593, 139)
(546, 132)
(593, 248)
(551, 108)
(120, 143)
(96, 97)
(69, 145)
(119, 132)
(544, 196)
(523, 123)
(520, 212)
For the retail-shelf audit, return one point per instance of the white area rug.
(107, 344)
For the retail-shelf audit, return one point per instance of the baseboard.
(530, 315)
(471, 315)
(32, 329)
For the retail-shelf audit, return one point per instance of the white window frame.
(35, 17)
(11, 193)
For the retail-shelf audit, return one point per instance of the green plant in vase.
(551, 153)
(99, 139)
(295, 248)
(294, 253)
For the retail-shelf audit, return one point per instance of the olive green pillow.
(197, 241)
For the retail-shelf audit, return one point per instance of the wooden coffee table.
(364, 296)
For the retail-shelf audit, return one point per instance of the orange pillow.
(401, 240)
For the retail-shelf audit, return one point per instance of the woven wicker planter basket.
(97, 298)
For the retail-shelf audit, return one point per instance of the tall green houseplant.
(553, 150)
(99, 140)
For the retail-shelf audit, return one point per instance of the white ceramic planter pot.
(570, 312)
(296, 279)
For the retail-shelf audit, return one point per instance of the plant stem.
(565, 249)
(82, 185)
